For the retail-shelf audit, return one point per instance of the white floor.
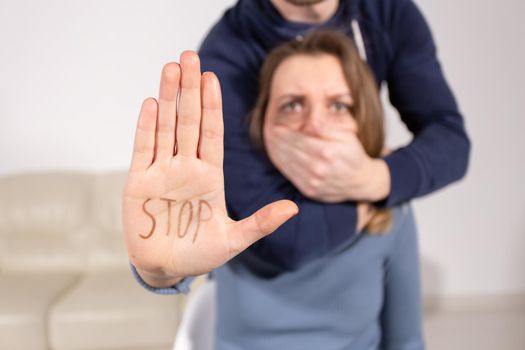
(484, 328)
(468, 323)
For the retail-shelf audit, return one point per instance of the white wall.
(473, 233)
(74, 73)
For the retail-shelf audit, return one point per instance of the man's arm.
(439, 152)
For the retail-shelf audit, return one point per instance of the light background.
(74, 73)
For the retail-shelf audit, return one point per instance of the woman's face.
(309, 93)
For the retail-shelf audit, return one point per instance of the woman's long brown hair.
(366, 110)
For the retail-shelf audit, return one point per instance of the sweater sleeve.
(181, 287)
(439, 152)
(251, 181)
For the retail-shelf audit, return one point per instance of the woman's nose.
(313, 123)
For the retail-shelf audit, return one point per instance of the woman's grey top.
(365, 296)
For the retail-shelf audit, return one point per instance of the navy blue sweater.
(401, 52)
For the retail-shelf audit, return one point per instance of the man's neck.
(317, 13)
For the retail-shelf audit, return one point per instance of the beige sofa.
(65, 281)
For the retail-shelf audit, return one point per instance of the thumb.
(263, 222)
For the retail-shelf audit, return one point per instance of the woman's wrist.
(158, 280)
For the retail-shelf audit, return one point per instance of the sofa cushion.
(108, 248)
(114, 307)
(25, 300)
(106, 202)
(33, 252)
(42, 221)
(44, 204)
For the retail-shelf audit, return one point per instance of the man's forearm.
(375, 181)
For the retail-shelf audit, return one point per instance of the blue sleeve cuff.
(405, 178)
(181, 287)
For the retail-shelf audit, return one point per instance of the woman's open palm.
(174, 211)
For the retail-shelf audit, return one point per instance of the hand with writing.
(174, 211)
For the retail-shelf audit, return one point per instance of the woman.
(320, 87)
(365, 295)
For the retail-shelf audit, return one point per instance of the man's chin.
(303, 2)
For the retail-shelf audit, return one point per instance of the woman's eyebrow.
(289, 97)
(340, 95)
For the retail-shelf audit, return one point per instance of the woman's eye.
(292, 106)
(340, 107)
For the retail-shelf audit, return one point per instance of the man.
(396, 42)
(262, 304)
